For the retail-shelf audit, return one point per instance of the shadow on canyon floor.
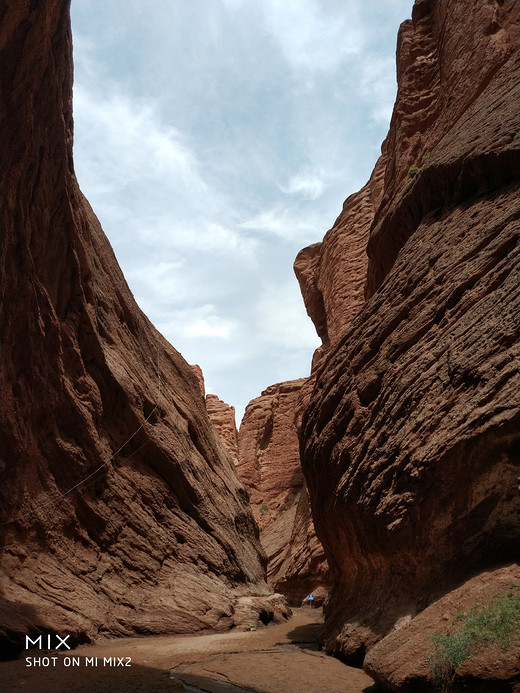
(305, 636)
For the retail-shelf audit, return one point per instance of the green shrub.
(413, 171)
(498, 623)
(264, 509)
(516, 136)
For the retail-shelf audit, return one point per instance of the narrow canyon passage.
(274, 659)
(136, 518)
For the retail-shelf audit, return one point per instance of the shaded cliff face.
(400, 661)
(121, 510)
(410, 444)
(269, 466)
(296, 563)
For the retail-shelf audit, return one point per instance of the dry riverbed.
(274, 659)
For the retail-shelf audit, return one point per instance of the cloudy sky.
(214, 140)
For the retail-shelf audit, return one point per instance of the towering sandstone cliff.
(269, 466)
(410, 443)
(121, 510)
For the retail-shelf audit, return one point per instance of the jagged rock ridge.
(121, 510)
(410, 443)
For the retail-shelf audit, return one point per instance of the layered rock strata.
(410, 443)
(121, 510)
(269, 454)
(269, 466)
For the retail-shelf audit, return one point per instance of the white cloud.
(313, 35)
(129, 145)
(197, 325)
(285, 223)
(208, 328)
(308, 184)
(377, 86)
(164, 283)
(282, 318)
(216, 139)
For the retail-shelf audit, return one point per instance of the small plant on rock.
(413, 171)
(498, 623)
(516, 136)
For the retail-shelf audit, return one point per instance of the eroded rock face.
(269, 463)
(222, 416)
(121, 510)
(410, 443)
(296, 562)
(269, 466)
(402, 661)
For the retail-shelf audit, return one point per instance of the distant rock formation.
(269, 466)
(222, 416)
(410, 443)
(197, 372)
(121, 510)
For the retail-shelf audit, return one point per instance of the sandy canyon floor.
(274, 659)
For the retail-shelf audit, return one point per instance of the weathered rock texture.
(222, 416)
(410, 443)
(269, 453)
(296, 562)
(400, 661)
(121, 511)
(197, 372)
(269, 466)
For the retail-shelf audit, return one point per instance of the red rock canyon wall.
(410, 443)
(121, 510)
(269, 466)
(222, 416)
(269, 458)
